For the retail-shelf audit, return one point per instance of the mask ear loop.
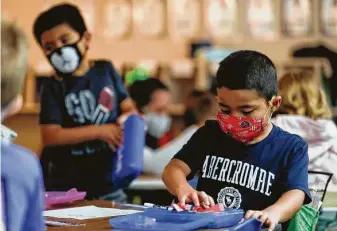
(269, 108)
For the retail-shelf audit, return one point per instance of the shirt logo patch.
(106, 98)
(230, 197)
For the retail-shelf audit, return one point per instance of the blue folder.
(160, 220)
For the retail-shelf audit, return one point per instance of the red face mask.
(243, 129)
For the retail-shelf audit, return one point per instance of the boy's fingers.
(119, 140)
(263, 218)
(182, 199)
(112, 147)
(271, 225)
(195, 199)
(249, 213)
(211, 201)
(257, 214)
(114, 140)
(204, 198)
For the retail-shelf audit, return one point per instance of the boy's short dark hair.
(141, 91)
(249, 70)
(57, 15)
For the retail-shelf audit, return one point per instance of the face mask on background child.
(157, 124)
(66, 60)
(244, 128)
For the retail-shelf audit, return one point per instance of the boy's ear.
(276, 103)
(217, 99)
(87, 38)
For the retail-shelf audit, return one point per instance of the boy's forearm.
(56, 135)
(288, 204)
(174, 178)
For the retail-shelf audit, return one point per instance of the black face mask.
(66, 60)
(189, 118)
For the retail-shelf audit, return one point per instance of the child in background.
(242, 159)
(305, 112)
(152, 98)
(22, 191)
(79, 107)
(191, 102)
(156, 160)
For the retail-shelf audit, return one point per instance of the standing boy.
(79, 107)
(244, 160)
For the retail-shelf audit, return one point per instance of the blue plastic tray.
(228, 218)
(160, 220)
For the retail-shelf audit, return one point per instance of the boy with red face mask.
(243, 160)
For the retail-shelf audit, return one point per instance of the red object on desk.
(215, 208)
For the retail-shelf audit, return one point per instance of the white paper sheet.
(87, 212)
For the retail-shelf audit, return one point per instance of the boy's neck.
(265, 133)
(83, 68)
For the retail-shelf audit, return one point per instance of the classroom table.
(144, 182)
(100, 224)
(90, 225)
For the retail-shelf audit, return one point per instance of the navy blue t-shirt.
(246, 176)
(78, 101)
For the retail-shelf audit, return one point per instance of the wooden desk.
(95, 224)
(90, 225)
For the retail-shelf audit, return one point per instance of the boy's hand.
(121, 119)
(110, 133)
(268, 217)
(187, 194)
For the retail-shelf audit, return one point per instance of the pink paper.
(53, 198)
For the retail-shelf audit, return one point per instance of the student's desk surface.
(142, 183)
(100, 224)
(92, 224)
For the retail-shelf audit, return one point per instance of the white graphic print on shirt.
(238, 173)
(82, 107)
(230, 197)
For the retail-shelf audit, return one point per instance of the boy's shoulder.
(19, 162)
(283, 138)
(212, 126)
(102, 62)
(103, 66)
(283, 134)
(210, 133)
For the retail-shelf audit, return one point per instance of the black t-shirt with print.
(246, 176)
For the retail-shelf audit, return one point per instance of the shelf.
(34, 109)
(177, 109)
